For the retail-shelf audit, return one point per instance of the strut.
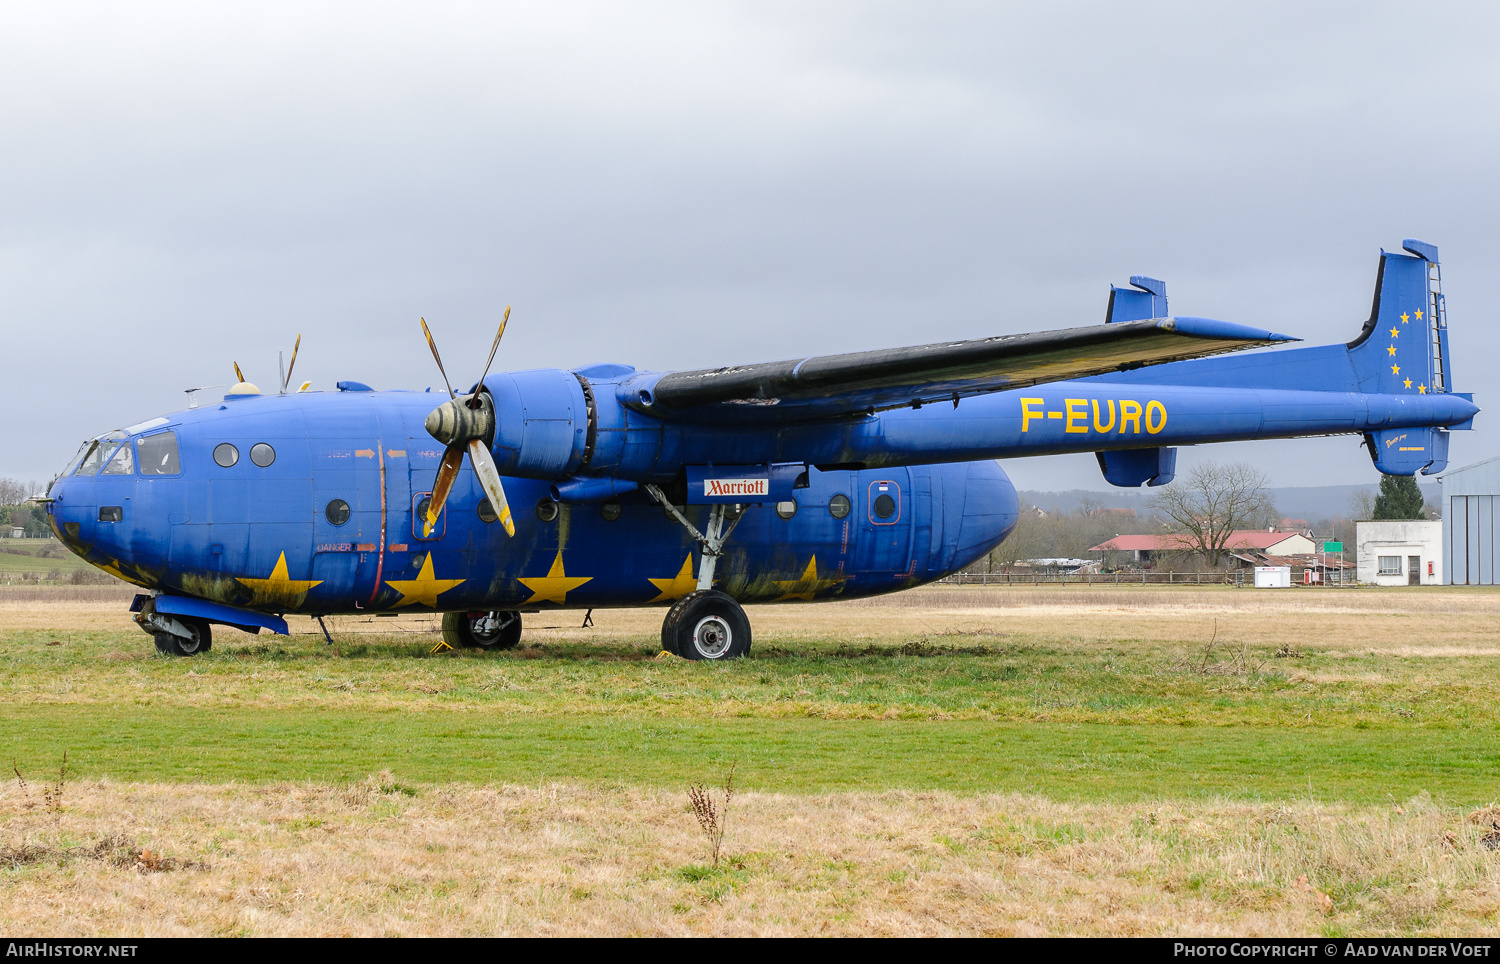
(710, 543)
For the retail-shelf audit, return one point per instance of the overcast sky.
(696, 184)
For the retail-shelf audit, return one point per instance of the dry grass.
(382, 858)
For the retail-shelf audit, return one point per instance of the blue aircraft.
(833, 477)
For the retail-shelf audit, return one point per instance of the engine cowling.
(544, 423)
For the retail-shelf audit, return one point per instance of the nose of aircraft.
(988, 513)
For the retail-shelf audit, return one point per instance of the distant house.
(1148, 549)
(1400, 552)
(1118, 513)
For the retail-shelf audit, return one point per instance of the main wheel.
(706, 624)
(201, 641)
(491, 630)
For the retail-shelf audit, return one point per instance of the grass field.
(1051, 760)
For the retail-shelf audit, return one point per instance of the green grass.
(38, 557)
(1034, 711)
(1063, 761)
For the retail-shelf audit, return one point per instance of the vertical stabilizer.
(1403, 351)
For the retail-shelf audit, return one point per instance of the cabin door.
(884, 510)
(356, 493)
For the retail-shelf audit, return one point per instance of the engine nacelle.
(542, 423)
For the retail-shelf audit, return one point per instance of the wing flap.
(896, 377)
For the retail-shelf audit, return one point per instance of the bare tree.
(1362, 505)
(1215, 500)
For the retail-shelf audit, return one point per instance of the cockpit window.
(121, 463)
(158, 454)
(98, 452)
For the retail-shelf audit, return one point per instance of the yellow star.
(423, 590)
(554, 586)
(1408, 383)
(1417, 314)
(1395, 332)
(808, 586)
(1392, 349)
(1395, 369)
(1421, 389)
(679, 585)
(278, 590)
(1405, 317)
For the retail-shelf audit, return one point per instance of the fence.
(1234, 577)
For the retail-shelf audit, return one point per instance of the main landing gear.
(482, 630)
(706, 624)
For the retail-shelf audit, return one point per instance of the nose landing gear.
(482, 630)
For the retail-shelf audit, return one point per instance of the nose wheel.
(706, 625)
(199, 638)
(482, 630)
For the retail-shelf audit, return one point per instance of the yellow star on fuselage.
(554, 586)
(679, 585)
(1395, 332)
(423, 590)
(1421, 389)
(1417, 314)
(808, 586)
(1405, 317)
(1392, 349)
(278, 590)
(1395, 369)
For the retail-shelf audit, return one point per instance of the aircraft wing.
(870, 381)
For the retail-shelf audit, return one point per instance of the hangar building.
(1471, 524)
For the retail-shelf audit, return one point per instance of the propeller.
(285, 382)
(462, 423)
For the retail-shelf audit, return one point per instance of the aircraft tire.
(459, 632)
(170, 644)
(706, 625)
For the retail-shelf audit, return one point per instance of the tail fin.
(1403, 350)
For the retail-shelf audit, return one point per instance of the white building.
(1471, 525)
(1399, 552)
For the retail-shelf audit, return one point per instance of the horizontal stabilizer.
(925, 374)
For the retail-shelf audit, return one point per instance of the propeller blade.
(437, 358)
(493, 348)
(238, 375)
(453, 460)
(489, 477)
(288, 380)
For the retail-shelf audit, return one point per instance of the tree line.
(1200, 511)
(15, 511)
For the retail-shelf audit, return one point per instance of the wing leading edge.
(869, 381)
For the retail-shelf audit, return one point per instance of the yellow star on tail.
(1392, 349)
(806, 587)
(1421, 389)
(554, 586)
(1408, 383)
(1405, 317)
(1395, 369)
(1417, 314)
(679, 585)
(278, 590)
(423, 590)
(1395, 332)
